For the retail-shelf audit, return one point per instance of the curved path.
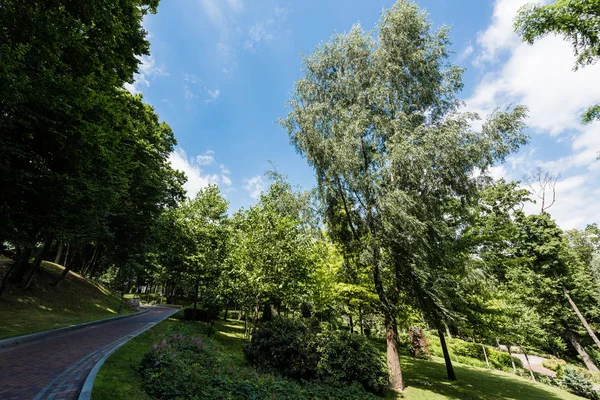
(56, 367)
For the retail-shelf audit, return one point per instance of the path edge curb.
(33, 337)
(88, 385)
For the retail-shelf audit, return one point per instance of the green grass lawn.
(425, 380)
(43, 307)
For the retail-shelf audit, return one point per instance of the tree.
(379, 123)
(273, 253)
(203, 227)
(543, 184)
(576, 20)
(61, 68)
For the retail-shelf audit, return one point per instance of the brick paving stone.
(56, 367)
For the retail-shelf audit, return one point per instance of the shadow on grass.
(425, 377)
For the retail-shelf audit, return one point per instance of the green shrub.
(466, 349)
(202, 314)
(286, 346)
(349, 358)
(554, 364)
(578, 384)
(419, 345)
(174, 367)
(501, 360)
(193, 328)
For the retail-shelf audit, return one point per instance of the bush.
(174, 367)
(349, 358)
(419, 345)
(193, 328)
(287, 346)
(554, 364)
(202, 314)
(297, 349)
(578, 384)
(501, 360)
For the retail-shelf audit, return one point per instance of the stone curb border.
(88, 385)
(32, 337)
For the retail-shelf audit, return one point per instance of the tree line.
(84, 165)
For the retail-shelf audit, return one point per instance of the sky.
(221, 71)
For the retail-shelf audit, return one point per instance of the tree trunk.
(393, 359)
(226, 311)
(88, 265)
(585, 324)
(447, 360)
(350, 323)
(487, 362)
(36, 263)
(5, 277)
(528, 364)
(255, 319)
(195, 299)
(511, 359)
(267, 312)
(22, 266)
(448, 332)
(66, 262)
(62, 277)
(360, 320)
(61, 246)
(581, 351)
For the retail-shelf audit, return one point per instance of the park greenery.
(405, 254)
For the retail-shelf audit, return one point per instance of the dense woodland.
(404, 228)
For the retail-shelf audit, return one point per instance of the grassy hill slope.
(43, 307)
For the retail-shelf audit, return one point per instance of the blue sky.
(221, 71)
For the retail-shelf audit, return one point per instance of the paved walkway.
(56, 367)
(536, 364)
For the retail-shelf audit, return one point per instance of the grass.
(118, 378)
(425, 380)
(43, 307)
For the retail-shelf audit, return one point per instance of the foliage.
(579, 384)
(201, 314)
(174, 366)
(191, 328)
(351, 358)
(554, 364)
(379, 121)
(286, 346)
(419, 345)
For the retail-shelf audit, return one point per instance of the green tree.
(379, 123)
(273, 254)
(578, 21)
(204, 230)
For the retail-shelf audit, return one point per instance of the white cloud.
(255, 186)
(236, 5)
(147, 71)
(541, 77)
(212, 94)
(263, 32)
(207, 158)
(466, 52)
(258, 33)
(222, 13)
(197, 178)
(193, 87)
(500, 34)
(225, 175)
